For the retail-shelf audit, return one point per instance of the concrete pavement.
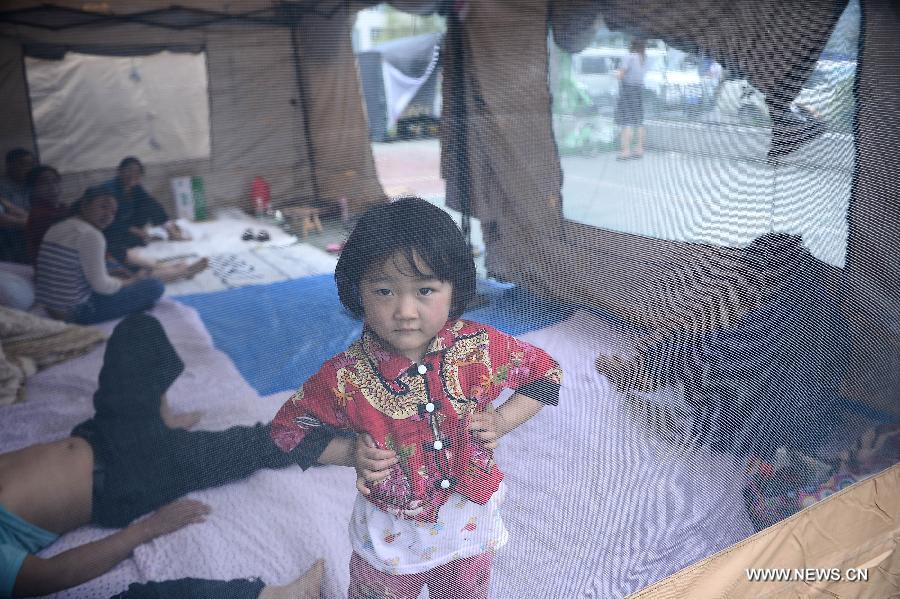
(679, 195)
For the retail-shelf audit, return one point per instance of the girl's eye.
(426, 291)
(383, 291)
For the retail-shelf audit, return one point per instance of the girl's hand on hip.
(372, 464)
(487, 426)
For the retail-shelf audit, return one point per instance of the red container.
(259, 191)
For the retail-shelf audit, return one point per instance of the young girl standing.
(417, 388)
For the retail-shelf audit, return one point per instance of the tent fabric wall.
(513, 171)
(515, 182)
(872, 271)
(257, 120)
(574, 23)
(15, 123)
(87, 108)
(856, 528)
(339, 131)
(130, 7)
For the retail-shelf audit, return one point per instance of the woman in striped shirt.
(71, 277)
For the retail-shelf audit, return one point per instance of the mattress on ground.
(595, 505)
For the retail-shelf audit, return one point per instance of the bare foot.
(308, 586)
(195, 268)
(878, 448)
(176, 233)
(186, 420)
(630, 375)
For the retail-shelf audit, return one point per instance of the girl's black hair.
(129, 160)
(413, 227)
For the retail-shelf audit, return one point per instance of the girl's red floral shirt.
(421, 410)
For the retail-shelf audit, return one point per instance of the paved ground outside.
(671, 195)
(711, 200)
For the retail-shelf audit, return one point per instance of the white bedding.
(238, 263)
(595, 507)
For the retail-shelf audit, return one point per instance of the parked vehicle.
(828, 94)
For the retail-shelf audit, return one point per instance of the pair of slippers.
(248, 235)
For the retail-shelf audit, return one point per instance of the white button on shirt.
(422, 369)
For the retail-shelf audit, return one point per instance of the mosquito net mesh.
(600, 298)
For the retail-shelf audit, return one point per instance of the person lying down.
(132, 458)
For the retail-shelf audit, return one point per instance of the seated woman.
(137, 210)
(128, 460)
(71, 278)
(46, 207)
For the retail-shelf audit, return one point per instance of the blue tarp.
(279, 334)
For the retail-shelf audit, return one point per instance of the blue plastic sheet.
(278, 335)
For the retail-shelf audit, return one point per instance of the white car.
(828, 93)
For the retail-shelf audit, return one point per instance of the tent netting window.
(691, 209)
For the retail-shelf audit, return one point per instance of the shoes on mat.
(262, 235)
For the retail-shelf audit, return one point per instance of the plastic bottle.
(259, 191)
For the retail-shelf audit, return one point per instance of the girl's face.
(406, 310)
(100, 212)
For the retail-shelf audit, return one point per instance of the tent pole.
(458, 116)
(34, 135)
(461, 138)
(304, 109)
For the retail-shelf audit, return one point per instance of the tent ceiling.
(190, 15)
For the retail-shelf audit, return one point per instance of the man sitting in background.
(14, 205)
(137, 209)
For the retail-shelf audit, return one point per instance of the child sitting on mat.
(417, 388)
